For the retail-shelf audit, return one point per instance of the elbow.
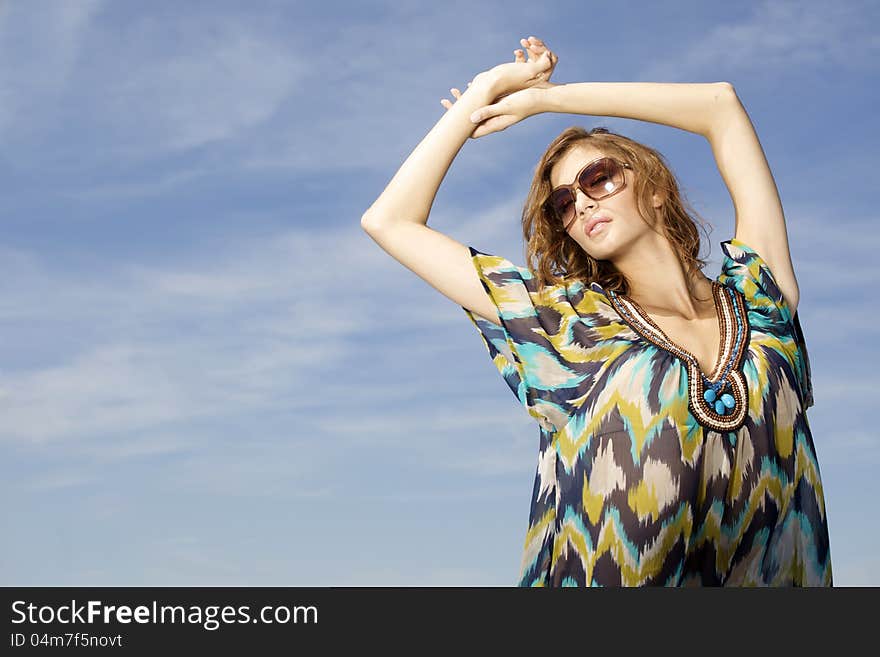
(366, 221)
(721, 96)
(726, 96)
(723, 105)
(372, 223)
(726, 88)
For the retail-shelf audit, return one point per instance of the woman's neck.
(658, 279)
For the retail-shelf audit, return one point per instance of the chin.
(597, 251)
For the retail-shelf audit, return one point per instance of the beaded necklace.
(719, 403)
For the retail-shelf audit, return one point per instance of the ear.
(657, 200)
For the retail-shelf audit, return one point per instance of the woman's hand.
(516, 88)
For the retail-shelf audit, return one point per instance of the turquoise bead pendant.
(720, 405)
(724, 404)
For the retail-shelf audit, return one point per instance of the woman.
(674, 443)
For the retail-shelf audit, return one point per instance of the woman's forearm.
(689, 106)
(411, 192)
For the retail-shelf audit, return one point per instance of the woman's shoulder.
(743, 268)
(519, 291)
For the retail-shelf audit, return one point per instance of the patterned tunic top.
(639, 480)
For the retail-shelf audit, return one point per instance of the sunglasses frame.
(573, 187)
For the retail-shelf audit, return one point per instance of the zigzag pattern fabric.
(630, 488)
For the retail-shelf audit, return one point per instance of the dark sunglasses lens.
(601, 179)
(562, 204)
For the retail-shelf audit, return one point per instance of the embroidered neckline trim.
(726, 375)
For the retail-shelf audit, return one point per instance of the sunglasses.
(598, 179)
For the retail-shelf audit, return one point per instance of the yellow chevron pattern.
(630, 488)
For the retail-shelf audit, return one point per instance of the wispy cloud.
(245, 330)
(157, 85)
(44, 39)
(220, 79)
(775, 35)
(257, 321)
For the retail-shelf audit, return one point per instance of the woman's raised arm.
(397, 220)
(688, 106)
(411, 192)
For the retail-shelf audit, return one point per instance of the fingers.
(529, 47)
(536, 48)
(455, 92)
(486, 112)
(496, 124)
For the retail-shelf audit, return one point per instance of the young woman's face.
(610, 238)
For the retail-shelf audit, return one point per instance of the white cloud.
(196, 80)
(40, 44)
(155, 86)
(776, 35)
(158, 374)
(251, 327)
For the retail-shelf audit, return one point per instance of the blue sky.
(210, 375)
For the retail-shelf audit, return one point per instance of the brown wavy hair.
(559, 259)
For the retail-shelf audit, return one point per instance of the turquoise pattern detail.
(629, 489)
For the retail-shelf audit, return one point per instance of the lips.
(599, 219)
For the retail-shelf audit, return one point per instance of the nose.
(582, 201)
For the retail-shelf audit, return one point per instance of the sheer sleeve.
(539, 349)
(745, 270)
